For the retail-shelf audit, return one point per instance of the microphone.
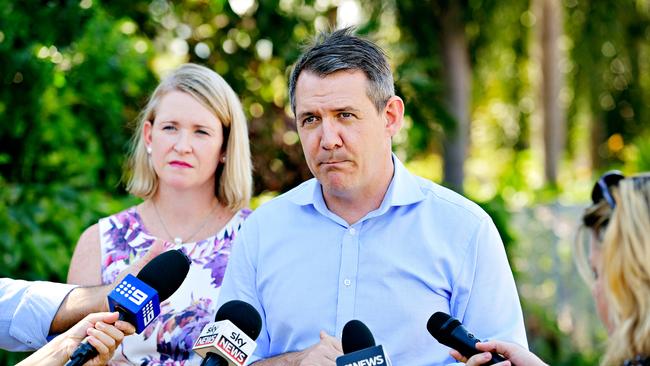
(359, 347)
(450, 332)
(137, 299)
(230, 340)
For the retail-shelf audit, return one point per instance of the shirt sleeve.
(485, 296)
(240, 283)
(28, 309)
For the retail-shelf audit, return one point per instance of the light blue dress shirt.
(425, 249)
(26, 312)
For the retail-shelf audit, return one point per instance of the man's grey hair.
(343, 50)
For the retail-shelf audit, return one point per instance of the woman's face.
(598, 287)
(185, 140)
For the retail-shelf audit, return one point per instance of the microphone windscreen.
(165, 273)
(441, 324)
(243, 315)
(356, 336)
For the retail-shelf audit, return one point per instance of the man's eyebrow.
(346, 109)
(302, 115)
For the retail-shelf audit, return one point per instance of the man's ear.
(394, 115)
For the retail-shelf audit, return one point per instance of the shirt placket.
(347, 286)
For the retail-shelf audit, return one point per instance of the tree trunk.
(553, 114)
(457, 72)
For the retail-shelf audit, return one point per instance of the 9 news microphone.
(450, 332)
(137, 299)
(359, 347)
(230, 340)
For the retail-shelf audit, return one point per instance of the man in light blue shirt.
(365, 239)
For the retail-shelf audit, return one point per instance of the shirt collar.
(403, 190)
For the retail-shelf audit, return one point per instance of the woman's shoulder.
(235, 223)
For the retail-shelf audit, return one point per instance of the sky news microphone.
(230, 340)
(138, 299)
(359, 347)
(450, 332)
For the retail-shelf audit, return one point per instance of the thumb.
(323, 335)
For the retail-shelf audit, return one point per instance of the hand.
(103, 331)
(515, 354)
(101, 335)
(158, 247)
(323, 353)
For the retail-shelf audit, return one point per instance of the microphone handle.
(213, 359)
(464, 342)
(85, 351)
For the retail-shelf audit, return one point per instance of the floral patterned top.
(168, 340)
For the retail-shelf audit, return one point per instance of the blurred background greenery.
(518, 104)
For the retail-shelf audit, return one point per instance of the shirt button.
(347, 282)
(353, 231)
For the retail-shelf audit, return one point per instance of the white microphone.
(230, 339)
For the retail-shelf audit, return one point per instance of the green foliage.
(40, 224)
(548, 342)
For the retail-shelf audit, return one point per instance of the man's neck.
(352, 206)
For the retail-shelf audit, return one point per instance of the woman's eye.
(202, 132)
(169, 128)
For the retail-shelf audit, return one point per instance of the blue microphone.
(359, 347)
(137, 302)
(138, 299)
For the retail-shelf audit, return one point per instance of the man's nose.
(331, 137)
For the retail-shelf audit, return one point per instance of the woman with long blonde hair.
(190, 163)
(616, 265)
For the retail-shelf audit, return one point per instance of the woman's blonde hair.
(234, 177)
(625, 266)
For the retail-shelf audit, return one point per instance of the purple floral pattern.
(169, 339)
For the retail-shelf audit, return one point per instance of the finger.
(99, 346)
(97, 317)
(504, 348)
(110, 318)
(323, 335)
(125, 327)
(479, 359)
(338, 346)
(111, 331)
(103, 337)
(457, 356)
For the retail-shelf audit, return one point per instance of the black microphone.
(137, 299)
(450, 332)
(359, 347)
(230, 340)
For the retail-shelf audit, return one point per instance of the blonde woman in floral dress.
(190, 163)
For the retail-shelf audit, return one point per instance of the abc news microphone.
(137, 298)
(450, 332)
(230, 340)
(359, 347)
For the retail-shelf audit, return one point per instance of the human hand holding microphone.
(137, 299)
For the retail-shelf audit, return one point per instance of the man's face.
(347, 143)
